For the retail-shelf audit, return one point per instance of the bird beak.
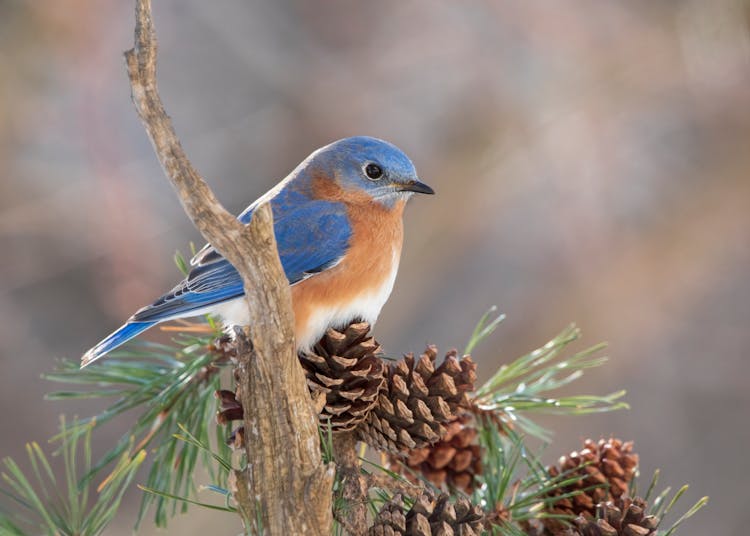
(416, 187)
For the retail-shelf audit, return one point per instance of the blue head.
(369, 165)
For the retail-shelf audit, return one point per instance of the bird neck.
(373, 222)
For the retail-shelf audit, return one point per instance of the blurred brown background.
(592, 164)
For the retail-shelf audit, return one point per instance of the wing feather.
(311, 239)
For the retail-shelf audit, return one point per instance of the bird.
(338, 223)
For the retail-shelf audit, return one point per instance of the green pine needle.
(484, 328)
(70, 510)
(524, 385)
(651, 486)
(703, 501)
(326, 441)
(662, 505)
(171, 388)
(179, 259)
(182, 264)
(178, 498)
(190, 439)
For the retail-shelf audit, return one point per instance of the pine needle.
(167, 386)
(525, 385)
(69, 510)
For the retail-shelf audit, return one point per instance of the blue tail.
(121, 336)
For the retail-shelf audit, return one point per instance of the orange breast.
(367, 269)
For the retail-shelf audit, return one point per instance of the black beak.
(416, 187)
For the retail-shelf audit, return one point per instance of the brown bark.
(354, 489)
(356, 485)
(286, 487)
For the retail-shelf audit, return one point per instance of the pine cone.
(345, 366)
(610, 463)
(230, 409)
(622, 517)
(428, 516)
(419, 400)
(455, 460)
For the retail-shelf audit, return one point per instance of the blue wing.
(285, 199)
(311, 238)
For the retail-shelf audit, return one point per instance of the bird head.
(364, 165)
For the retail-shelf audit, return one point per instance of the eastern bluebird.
(339, 230)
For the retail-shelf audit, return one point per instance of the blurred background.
(592, 164)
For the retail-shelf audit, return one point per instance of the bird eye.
(373, 171)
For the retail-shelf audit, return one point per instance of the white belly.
(365, 306)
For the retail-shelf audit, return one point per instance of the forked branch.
(286, 487)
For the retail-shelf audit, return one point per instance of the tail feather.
(121, 336)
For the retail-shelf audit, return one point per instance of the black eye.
(373, 171)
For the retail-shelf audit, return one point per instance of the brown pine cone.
(419, 400)
(344, 365)
(230, 409)
(428, 516)
(454, 461)
(622, 517)
(609, 463)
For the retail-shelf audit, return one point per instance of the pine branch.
(524, 385)
(170, 386)
(514, 482)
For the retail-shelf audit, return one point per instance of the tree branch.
(286, 486)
